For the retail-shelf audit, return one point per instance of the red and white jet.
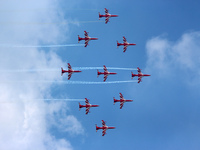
(107, 16)
(104, 128)
(122, 100)
(70, 71)
(140, 75)
(105, 73)
(125, 44)
(86, 38)
(87, 106)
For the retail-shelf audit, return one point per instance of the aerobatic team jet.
(86, 38)
(140, 75)
(121, 100)
(107, 16)
(70, 71)
(125, 44)
(104, 128)
(87, 106)
(105, 73)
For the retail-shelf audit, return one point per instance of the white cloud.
(72, 125)
(167, 58)
(25, 124)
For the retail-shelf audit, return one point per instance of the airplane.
(125, 44)
(70, 71)
(105, 73)
(86, 38)
(107, 16)
(104, 127)
(87, 106)
(122, 100)
(140, 75)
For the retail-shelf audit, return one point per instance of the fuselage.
(125, 44)
(88, 105)
(104, 128)
(140, 75)
(106, 73)
(122, 100)
(86, 38)
(70, 71)
(107, 15)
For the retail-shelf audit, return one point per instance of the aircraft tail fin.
(79, 38)
(99, 16)
(79, 106)
(61, 71)
(114, 100)
(132, 74)
(97, 73)
(96, 127)
(117, 44)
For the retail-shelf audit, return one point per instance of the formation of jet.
(86, 38)
(107, 16)
(69, 71)
(140, 75)
(104, 128)
(121, 100)
(105, 73)
(87, 106)
(125, 44)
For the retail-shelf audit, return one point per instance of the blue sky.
(164, 113)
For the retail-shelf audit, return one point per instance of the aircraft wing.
(121, 96)
(69, 75)
(124, 39)
(139, 79)
(86, 34)
(86, 101)
(87, 110)
(107, 20)
(106, 10)
(125, 47)
(105, 69)
(139, 70)
(103, 123)
(103, 132)
(69, 66)
(105, 77)
(121, 105)
(86, 43)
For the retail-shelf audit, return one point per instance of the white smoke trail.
(41, 9)
(58, 70)
(94, 68)
(71, 100)
(70, 82)
(89, 82)
(39, 46)
(29, 70)
(47, 23)
(32, 100)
